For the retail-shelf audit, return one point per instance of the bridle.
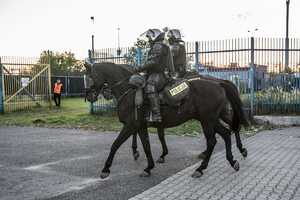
(89, 83)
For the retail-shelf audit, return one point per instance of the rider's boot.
(154, 107)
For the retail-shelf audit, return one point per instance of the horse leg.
(239, 144)
(126, 132)
(226, 135)
(201, 155)
(211, 141)
(144, 136)
(136, 154)
(161, 136)
(227, 118)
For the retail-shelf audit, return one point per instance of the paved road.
(44, 163)
(271, 171)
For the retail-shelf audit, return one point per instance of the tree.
(61, 63)
(131, 56)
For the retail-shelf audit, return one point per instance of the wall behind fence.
(73, 85)
(268, 82)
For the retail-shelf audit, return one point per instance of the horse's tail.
(232, 84)
(239, 118)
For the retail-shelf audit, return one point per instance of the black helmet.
(153, 35)
(174, 36)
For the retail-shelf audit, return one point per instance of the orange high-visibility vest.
(57, 88)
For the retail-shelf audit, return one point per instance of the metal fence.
(72, 85)
(268, 82)
(24, 83)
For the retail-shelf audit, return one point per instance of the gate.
(25, 83)
(267, 80)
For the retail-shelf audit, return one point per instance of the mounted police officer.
(178, 52)
(159, 67)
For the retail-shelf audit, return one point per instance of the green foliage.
(274, 100)
(74, 114)
(141, 43)
(61, 63)
(166, 29)
(242, 86)
(131, 57)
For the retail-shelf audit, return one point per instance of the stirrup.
(154, 117)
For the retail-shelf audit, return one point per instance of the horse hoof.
(201, 156)
(136, 155)
(160, 160)
(236, 166)
(145, 174)
(104, 175)
(197, 174)
(245, 153)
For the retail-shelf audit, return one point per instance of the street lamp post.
(287, 35)
(119, 50)
(92, 18)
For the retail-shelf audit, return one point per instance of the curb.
(277, 120)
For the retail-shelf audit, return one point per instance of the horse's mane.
(125, 67)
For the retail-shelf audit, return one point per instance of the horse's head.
(92, 83)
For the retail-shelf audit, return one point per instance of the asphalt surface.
(47, 163)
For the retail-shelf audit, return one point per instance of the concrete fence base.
(277, 120)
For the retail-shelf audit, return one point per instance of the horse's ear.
(87, 65)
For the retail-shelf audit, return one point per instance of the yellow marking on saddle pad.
(194, 79)
(178, 89)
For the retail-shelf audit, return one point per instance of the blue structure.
(1, 90)
(245, 62)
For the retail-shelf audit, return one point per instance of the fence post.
(90, 57)
(49, 85)
(251, 80)
(91, 61)
(20, 84)
(196, 57)
(68, 84)
(139, 55)
(1, 90)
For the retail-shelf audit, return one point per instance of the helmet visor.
(144, 35)
(175, 33)
(149, 35)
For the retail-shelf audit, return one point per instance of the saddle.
(174, 94)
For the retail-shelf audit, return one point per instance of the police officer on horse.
(159, 68)
(178, 52)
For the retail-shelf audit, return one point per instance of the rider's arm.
(175, 49)
(154, 59)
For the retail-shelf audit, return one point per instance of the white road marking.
(68, 182)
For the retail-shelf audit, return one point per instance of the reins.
(118, 83)
(110, 88)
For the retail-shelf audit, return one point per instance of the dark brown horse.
(224, 115)
(205, 103)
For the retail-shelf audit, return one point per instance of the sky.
(28, 27)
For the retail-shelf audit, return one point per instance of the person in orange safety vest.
(58, 88)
